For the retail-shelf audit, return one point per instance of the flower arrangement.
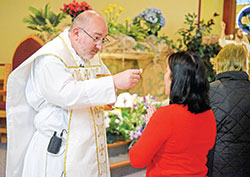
(44, 21)
(151, 20)
(140, 28)
(73, 9)
(127, 120)
(112, 13)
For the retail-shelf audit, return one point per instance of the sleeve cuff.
(101, 91)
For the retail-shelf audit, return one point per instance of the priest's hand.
(127, 79)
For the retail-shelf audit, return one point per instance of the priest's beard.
(86, 57)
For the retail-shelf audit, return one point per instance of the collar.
(233, 75)
(79, 60)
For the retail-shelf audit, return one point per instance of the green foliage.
(167, 41)
(112, 13)
(44, 22)
(141, 47)
(149, 22)
(128, 122)
(116, 29)
(191, 40)
(137, 32)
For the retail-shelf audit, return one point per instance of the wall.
(208, 8)
(12, 12)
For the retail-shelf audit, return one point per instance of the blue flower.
(152, 15)
(151, 20)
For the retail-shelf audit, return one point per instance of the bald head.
(85, 18)
(87, 34)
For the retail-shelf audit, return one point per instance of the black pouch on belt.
(54, 144)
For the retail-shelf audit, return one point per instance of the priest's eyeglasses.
(95, 39)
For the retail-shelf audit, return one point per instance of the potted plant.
(192, 40)
(74, 9)
(44, 22)
(127, 120)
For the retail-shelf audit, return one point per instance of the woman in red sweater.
(178, 137)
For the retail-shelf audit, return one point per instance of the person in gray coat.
(230, 102)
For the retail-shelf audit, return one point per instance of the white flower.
(106, 122)
(124, 100)
(117, 121)
(134, 96)
(118, 113)
(106, 114)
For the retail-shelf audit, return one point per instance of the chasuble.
(50, 93)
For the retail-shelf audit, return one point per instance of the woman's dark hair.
(189, 82)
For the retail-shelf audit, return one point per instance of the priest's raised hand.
(127, 79)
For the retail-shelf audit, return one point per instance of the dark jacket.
(230, 102)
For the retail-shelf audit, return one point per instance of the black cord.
(61, 134)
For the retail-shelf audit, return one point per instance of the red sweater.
(175, 143)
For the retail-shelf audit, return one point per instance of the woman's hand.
(150, 111)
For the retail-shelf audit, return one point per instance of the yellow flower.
(117, 15)
(110, 9)
(121, 9)
(105, 11)
(127, 19)
(112, 22)
(110, 6)
(114, 5)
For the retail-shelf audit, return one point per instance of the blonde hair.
(231, 58)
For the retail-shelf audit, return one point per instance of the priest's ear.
(75, 33)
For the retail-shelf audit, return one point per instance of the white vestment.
(223, 42)
(50, 93)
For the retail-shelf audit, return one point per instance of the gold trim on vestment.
(105, 140)
(93, 66)
(79, 77)
(68, 50)
(100, 132)
(66, 146)
(97, 154)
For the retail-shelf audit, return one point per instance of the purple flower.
(153, 98)
(135, 136)
(138, 128)
(138, 134)
(131, 135)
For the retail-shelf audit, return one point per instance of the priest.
(55, 126)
